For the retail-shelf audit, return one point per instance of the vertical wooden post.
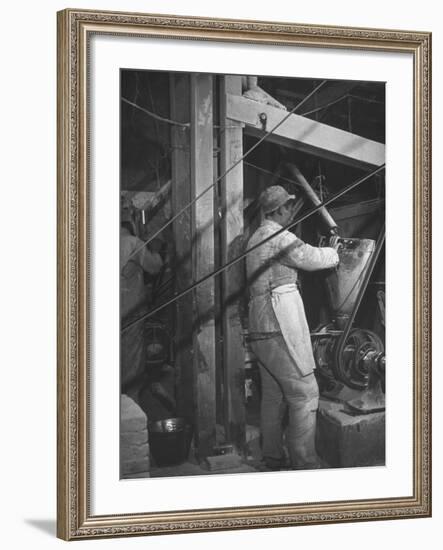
(232, 243)
(180, 103)
(203, 261)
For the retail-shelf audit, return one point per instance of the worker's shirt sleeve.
(293, 252)
(151, 262)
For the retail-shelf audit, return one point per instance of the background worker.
(279, 332)
(134, 301)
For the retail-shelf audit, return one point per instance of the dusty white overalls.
(281, 341)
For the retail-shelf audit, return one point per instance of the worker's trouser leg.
(282, 382)
(132, 357)
(272, 411)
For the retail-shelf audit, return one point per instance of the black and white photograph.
(243, 271)
(252, 274)
(219, 221)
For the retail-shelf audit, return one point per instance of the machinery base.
(347, 440)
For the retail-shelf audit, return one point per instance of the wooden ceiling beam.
(305, 135)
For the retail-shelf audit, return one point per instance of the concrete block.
(134, 445)
(345, 440)
(129, 467)
(134, 452)
(127, 439)
(132, 417)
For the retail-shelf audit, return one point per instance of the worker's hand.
(334, 242)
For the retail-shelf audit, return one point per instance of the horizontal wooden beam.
(306, 135)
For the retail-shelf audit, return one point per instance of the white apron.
(290, 312)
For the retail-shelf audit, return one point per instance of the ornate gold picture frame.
(75, 517)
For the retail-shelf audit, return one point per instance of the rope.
(154, 115)
(259, 142)
(168, 120)
(243, 255)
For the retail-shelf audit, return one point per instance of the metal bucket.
(343, 284)
(169, 441)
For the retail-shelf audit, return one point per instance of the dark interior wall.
(352, 105)
(145, 141)
(349, 105)
(358, 107)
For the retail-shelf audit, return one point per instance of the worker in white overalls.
(280, 335)
(135, 259)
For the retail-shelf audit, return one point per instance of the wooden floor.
(191, 469)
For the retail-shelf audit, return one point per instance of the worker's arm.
(296, 253)
(151, 262)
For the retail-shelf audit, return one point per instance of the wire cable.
(244, 254)
(154, 115)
